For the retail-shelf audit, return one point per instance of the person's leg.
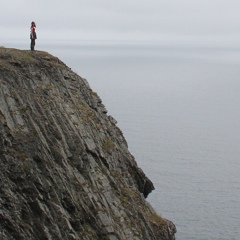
(32, 44)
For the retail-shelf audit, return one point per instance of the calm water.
(178, 107)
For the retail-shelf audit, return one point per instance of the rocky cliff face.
(65, 168)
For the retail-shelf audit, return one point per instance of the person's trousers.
(32, 44)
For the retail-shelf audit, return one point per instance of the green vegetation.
(157, 220)
(17, 57)
(20, 154)
(108, 145)
(25, 225)
(103, 238)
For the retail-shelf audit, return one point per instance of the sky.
(131, 20)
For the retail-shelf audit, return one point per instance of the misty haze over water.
(177, 105)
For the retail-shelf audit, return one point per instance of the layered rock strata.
(65, 168)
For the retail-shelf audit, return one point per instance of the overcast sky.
(121, 20)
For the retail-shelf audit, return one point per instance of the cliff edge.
(65, 168)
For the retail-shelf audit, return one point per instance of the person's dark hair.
(33, 24)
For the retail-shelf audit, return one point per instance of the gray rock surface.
(65, 168)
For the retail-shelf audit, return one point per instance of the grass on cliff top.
(17, 56)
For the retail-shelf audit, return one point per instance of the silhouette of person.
(33, 35)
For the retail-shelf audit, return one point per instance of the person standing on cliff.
(33, 35)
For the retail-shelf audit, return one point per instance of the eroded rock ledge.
(66, 172)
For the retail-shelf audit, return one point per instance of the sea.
(177, 104)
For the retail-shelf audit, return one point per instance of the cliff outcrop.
(65, 168)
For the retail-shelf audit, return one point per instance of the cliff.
(65, 168)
